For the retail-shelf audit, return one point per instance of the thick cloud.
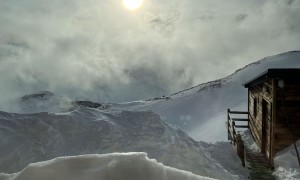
(96, 49)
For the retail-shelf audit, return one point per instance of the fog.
(99, 50)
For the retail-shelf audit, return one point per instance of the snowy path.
(258, 165)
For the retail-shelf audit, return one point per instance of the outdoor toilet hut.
(274, 110)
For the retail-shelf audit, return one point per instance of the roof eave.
(257, 80)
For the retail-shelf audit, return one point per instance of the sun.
(132, 4)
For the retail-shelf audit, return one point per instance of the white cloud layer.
(101, 51)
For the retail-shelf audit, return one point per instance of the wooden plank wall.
(291, 99)
(260, 92)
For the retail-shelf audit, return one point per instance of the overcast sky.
(99, 50)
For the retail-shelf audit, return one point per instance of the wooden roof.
(288, 73)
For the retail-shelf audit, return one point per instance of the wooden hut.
(274, 110)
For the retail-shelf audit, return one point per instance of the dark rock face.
(46, 101)
(89, 104)
(39, 95)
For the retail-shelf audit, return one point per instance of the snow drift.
(116, 166)
(286, 163)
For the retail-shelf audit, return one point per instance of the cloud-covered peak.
(100, 51)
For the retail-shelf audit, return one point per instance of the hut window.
(267, 90)
(255, 107)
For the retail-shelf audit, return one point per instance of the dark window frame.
(255, 102)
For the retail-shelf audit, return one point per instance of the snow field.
(115, 166)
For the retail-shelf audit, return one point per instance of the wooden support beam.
(240, 119)
(238, 112)
(242, 126)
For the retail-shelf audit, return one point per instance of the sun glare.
(132, 4)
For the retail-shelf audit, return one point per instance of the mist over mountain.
(185, 130)
(93, 89)
(98, 50)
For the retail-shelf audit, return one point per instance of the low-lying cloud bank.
(98, 50)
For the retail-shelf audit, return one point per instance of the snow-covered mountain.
(201, 110)
(28, 138)
(48, 126)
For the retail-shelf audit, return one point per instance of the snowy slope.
(201, 110)
(116, 166)
(286, 163)
(28, 138)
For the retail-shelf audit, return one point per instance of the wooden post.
(234, 133)
(240, 148)
(228, 132)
